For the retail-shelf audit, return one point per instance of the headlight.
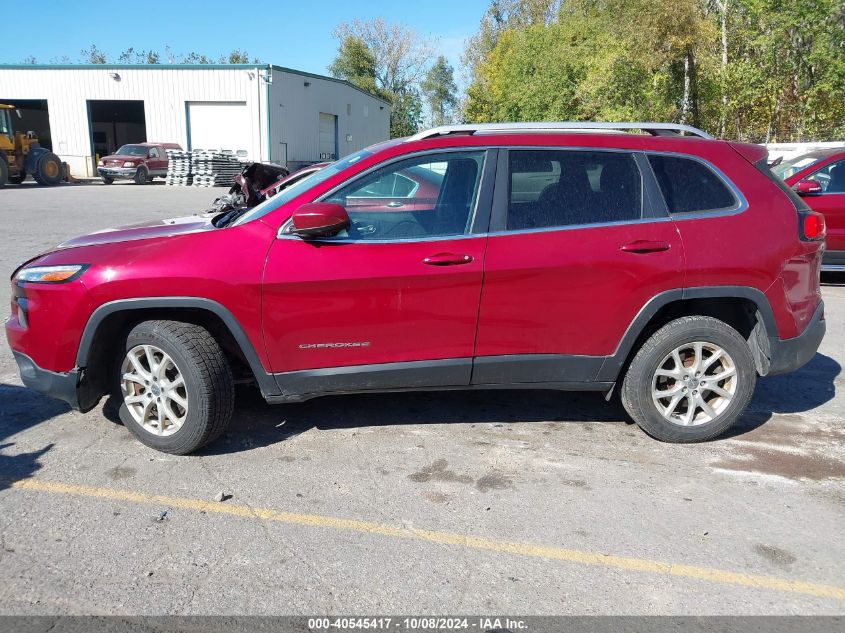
(101, 163)
(128, 163)
(50, 274)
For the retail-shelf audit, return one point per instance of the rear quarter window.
(690, 186)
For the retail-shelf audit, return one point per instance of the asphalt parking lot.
(478, 502)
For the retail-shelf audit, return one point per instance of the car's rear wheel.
(142, 176)
(175, 386)
(690, 381)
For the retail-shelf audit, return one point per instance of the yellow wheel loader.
(22, 154)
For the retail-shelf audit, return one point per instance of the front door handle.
(447, 259)
(646, 246)
(395, 204)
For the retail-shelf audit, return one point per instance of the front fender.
(32, 158)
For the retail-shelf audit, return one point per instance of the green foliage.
(440, 91)
(93, 55)
(387, 60)
(748, 69)
(406, 113)
(131, 56)
(356, 64)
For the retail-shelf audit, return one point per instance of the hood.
(143, 231)
(119, 159)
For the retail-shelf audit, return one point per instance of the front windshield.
(792, 166)
(132, 150)
(301, 187)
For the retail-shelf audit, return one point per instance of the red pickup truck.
(140, 162)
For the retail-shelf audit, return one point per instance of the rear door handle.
(447, 259)
(394, 204)
(646, 246)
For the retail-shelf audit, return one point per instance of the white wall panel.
(164, 91)
(294, 107)
(296, 101)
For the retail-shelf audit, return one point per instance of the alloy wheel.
(154, 390)
(694, 383)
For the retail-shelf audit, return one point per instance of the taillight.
(812, 226)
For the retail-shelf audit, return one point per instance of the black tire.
(107, 180)
(208, 383)
(49, 171)
(4, 172)
(636, 392)
(142, 176)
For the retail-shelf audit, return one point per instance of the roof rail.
(655, 129)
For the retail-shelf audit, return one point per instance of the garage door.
(328, 136)
(218, 125)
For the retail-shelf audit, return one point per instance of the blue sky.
(295, 34)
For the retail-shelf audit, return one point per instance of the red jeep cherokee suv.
(672, 268)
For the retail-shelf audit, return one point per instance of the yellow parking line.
(445, 538)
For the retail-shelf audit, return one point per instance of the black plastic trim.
(303, 384)
(439, 375)
(265, 381)
(53, 384)
(654, 205)
(499, 215)
(833, 258)
(484, 203)
(790, 354)
(535, 368)
(613, 364)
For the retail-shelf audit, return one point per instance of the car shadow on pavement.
(22, 409)
(257, 424)
(798, 392)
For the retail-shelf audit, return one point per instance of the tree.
(406, 113)
(93, 55)
(131, 56)
(395, 57)
(755, 70)
(196, 58)
(440, 92)
(236, 57)
(356, 64)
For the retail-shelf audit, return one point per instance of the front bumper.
(60, 386)
(117, 172)
(791, 354)
(833, 261)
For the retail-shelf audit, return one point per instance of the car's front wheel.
(142, 176)
(690, 381)
(175, 386)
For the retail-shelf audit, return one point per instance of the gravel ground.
(508, 502)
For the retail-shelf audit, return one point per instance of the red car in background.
(819, 178)
(140, 162)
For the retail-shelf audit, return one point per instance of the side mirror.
(808, 188)
(319, 219)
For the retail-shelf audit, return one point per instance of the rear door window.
(559, 188)
(690, 186)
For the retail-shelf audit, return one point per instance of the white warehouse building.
(266, 112)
